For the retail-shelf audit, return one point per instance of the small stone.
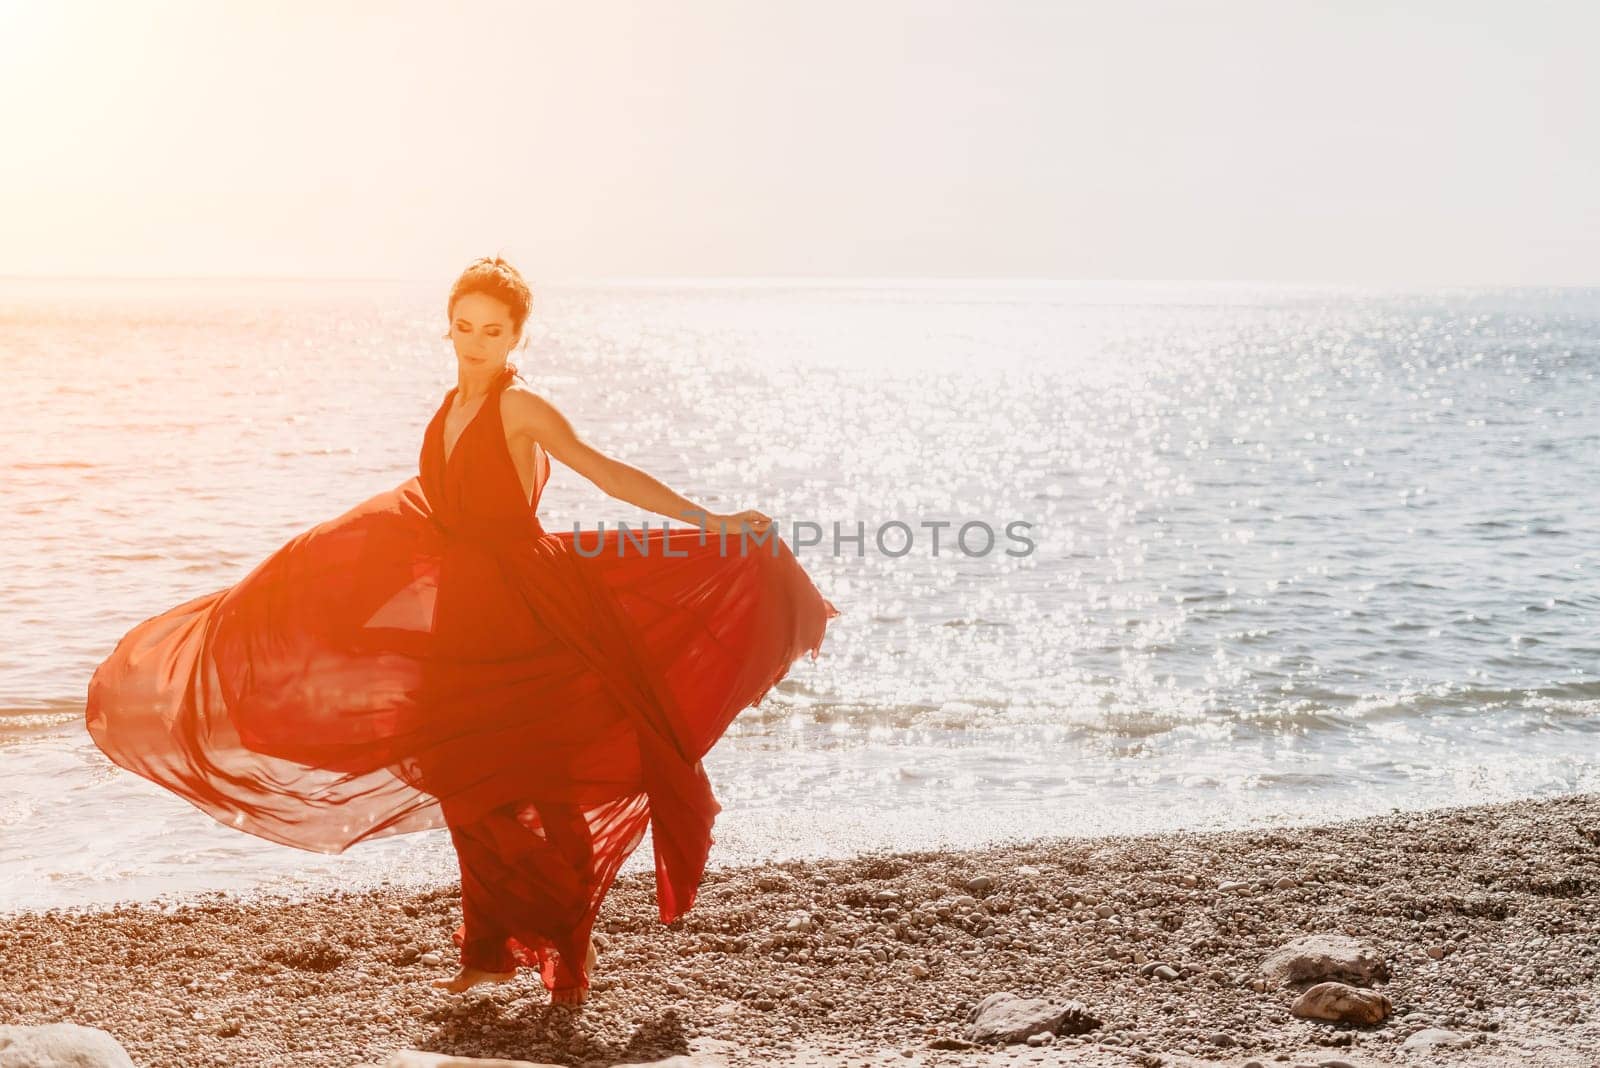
(1231, 885)
(1163, 971)
(431, 959)
(1189, 881)
(1288, 882)
(1004, 1017)
(919, 970)
(1105, 912)
(981, 884)
(1342, 1004)
(1436, 1038)
(1316, 958)
(1223, 1040)
(1438, 952)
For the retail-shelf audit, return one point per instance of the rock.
(1438, 952)
(416, 1058)
(919, 970)
(431, 959)
(772, 882)
(412, 1058)
(1437, 1038)
(1004, 1017)
(1342, 1004)
(1232, 886)
(63, 1044)
(1190, 881)
(981, 884)
(1164, 971)
(1317, 958)
(1288, 882)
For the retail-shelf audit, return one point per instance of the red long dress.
(434, 658)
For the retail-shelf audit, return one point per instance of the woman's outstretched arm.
(530, 416)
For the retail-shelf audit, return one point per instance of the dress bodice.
(476, 491)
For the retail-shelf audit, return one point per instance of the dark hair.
(498, 279)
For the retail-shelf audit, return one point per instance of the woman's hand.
(748, 521)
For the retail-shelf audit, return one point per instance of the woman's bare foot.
(467, 978)
(574, 995)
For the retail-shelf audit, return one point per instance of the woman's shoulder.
(523, 410)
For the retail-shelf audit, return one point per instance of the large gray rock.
(1323, 957)
(60, 1045)
(1342, 1004)
(1004, 1017)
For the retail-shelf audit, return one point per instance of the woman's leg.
(567, 832)
(484, 946)
(529, 890)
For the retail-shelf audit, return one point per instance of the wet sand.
(1487, 920)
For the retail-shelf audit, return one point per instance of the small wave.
(19, 724)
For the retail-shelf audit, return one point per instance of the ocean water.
(1296, 553)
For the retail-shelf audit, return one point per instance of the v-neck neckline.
(450, 453)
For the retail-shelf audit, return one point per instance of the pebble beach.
(1461, 936)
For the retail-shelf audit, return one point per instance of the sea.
(1110, 557)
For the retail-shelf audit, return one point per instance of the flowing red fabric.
(434, 658)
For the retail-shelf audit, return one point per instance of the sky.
(1448, 143)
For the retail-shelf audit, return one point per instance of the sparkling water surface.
(1298, 553)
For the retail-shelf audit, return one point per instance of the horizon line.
(833, 281)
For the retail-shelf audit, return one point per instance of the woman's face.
(481, 330)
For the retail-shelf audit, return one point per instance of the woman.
(434, 658)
